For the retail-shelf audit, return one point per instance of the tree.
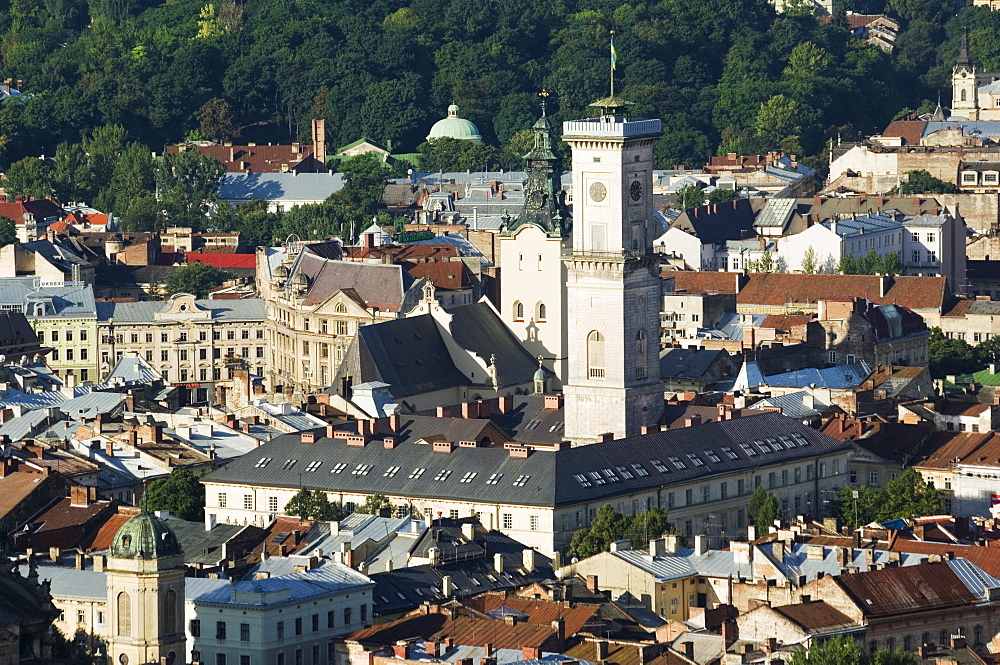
(70, 180)
(890, 264)
(181, 493)
(374, 503)
(922, 182)
(722, 196)
(777, 123)
(133, 177)
(216, 120)
(313, 505)
(8, 231)
(763, 508)
(949, 356)
(809, 264)
(197, 279)
(188, 184)
(905, 496)
(29, 177)
(840, 650)
(609, 526)
(690, 196)
(765, 263)
(847, 265)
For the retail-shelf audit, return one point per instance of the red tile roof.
(465, 631)
(910, 130)
(451, 275)
(40, 208)
(970, 448)
(258, 158)
(542, 612)
(102, 539)
(702, 282)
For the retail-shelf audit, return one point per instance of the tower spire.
(963, 51)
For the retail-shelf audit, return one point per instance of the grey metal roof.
(990, 128)
(328, 579)
(280, 186)
(924, 221)
(201, 545)
(65, 301)
(73, 583)
(977, 580)
(800, 404)
(246, 309)
(839, 377)
(687, 363)
(566, 477)
(92, 404)
(848, 227)
(132, 368)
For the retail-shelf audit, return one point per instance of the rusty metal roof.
(898, 591)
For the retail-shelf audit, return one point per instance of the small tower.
(145, 576)
(964, 89)
(540, 377)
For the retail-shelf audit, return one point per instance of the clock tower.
(613, 282)
(964, 86)
(533, 276)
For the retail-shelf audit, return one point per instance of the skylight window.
(730, 452)
(494, 478)
(582, 479)
(597, 478)
(362, 469)
(788, 442)
(610, 475)
(801, 440)
(521, 480)
(417, 473)
(624, 472)
(312, 466)
(467, 478)
(442, 475)
(337, 468)
(697, 460)
(775, 444)
(640, 469)
(711, 454)
(262, 462)
(748, 449)
(660, 466)
(390, 472)
(764, 448)
(289, 463)
(676, 461)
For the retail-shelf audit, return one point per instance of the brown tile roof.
(542, 612)
(968, 448)
(450, 275)
(102, 539)
(702, 282)
(776, 289)
(618, 654)
(40, 208)
(785, 322)
(465, 631)
(258, 158)
(379, 285)
(910, 130)
(63, 514)
(987, 558)
(816, 617)
(899, 591)
(16, 487)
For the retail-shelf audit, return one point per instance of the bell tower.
(964, 88)
(533, 291)
(145, 574)
(613, 282)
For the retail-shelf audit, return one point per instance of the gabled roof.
(280, 186)
(718, 222)
(688, 363)
(817, 617)
(379, 285)
(900, 591)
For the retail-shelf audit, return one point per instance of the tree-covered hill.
(725, 75)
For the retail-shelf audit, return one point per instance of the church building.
(975, 95)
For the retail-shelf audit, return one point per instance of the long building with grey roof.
(541, 496)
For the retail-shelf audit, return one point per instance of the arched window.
(963, 95)
(170, 612)
(640, 346)
(595, 355)
(124, 615)
(340, 308)
(518, 311)
(541, 311)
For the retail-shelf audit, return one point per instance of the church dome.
(281, 272)
(454, 127)
(540, 374)
(145, 536)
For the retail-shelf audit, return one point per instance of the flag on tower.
(614, 54)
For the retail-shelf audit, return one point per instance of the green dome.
(454, 127)
(540, 375)
(145, 536)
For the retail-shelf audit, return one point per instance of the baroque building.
(613, 282)
(533, 296)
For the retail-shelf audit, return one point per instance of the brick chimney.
(505, 403)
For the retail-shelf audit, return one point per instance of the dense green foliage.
(725, 75)
(871, 263)
(180, 493)
(845, 650)
(313, 505)
(906, 495)
(374, 503)
(609, 526)
(197, 279)
(922, 182)
(956, 356)
(763, 509)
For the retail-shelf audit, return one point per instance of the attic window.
(597, 478)
(610, 475)
(521, 480)
(676, 461)
(362, 469)
(337, 468)
(624, 472)
(764, 448)
(748, 449)
(660, 466)
(787, 441)
(730, 452)
(710, 454)
(801, 440)
(467, 478)
(262, 462)
(582, 479)
(289, 463)
(640, 469)
(494, 479)
(312, 466)
(775, 444)
(390, 472)
(442, 475)
(417, 473)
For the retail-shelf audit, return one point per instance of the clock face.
(636, 190)
(598, 191)
(537, 199)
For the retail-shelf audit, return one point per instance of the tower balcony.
(606, 128)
